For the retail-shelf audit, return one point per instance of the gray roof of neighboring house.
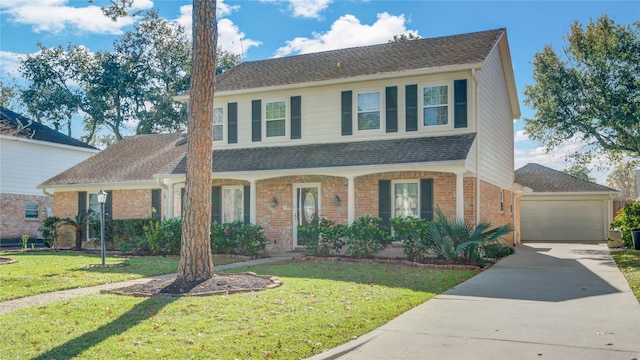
(141, 157)
(463, 49)
(14, 124)
(542, 179)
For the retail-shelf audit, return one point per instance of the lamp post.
(102, 198)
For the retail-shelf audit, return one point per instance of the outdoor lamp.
(102, 198)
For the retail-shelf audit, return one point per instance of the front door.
(306, 208)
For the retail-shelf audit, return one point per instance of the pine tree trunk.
(195, 253)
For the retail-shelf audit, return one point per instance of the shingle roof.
(135, 158)
(542, 179)
(14, 124)
(141, 157)
(428, 53)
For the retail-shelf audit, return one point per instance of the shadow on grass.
(140, 312)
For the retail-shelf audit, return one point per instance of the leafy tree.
(580, 171)
(195, 253)
(623, 179)
(10, 96)
(226, 60)
(404, 37)
(592, 93)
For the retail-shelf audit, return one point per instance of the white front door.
(306, 200)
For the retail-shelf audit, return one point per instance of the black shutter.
(256, 120)
(460, 103)
(82, 201)
(247, 204)
(296, 117)
(391, 99)
(108, 206)
(347, 112)
(156, 203)
(426, 199)
(232, 123)
(411, 97)
(384, 201)
(216, 204)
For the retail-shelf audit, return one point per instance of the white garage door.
(549, 220)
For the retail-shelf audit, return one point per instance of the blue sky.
(262, 29)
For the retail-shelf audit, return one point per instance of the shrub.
(497, 251)
(172, 229)
(322, 237)
(455, 240)
(49, 230)
(154, 237)
(413, 232)
(626, 220)
(367, 237)
(237, 238)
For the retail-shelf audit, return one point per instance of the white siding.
(495, 137)
(26, 164)
(321, 112)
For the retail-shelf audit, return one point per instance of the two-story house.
(386, 130)
(29, 154)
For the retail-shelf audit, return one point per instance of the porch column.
(252, 201)
(460, 195)
(170, 190)
(351, 200)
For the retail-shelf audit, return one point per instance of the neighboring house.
(560, 207)
(29, 154)
(387, 130)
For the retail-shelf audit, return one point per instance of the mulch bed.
(224, 284)
(6, 261)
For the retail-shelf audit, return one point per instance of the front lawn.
(321, 305)
(42, 272)
(628, 262)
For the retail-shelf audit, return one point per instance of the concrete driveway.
(548, 301)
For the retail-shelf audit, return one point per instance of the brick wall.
(13, 223)
(131, 204)
(490, 207)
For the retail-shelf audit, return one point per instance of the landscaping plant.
(322, 237)
(50, 230)
(627, 219)
(413, 232)
(79, 224)
(237, 238)
(367, 237)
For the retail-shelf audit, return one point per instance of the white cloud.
(230, 38)
(56, 15)
(308, 8)
(346, 32)
(9, 63)
(521, 136)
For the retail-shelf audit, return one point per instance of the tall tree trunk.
(195, 253)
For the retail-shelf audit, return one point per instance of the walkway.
(42, 299)
(548, 301)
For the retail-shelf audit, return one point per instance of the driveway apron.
(548, 301)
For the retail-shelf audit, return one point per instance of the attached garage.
(561, 207)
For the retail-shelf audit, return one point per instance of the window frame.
(381, 110)
(223, 124)
(222, 202)
(393, 195)
(502, 201)
(265, 120)
(450, 106)
(27, 210)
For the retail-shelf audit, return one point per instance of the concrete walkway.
(41, 299)
(548, 301)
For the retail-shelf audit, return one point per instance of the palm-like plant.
(79, 223)
(455, 240)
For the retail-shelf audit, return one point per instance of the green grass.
(320, 305)
(42, 272)
(628, 262)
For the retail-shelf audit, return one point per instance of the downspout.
(44, 191)
(475, 86)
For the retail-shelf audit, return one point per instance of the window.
(435, 102)
(232, 204)
(218, 124)
(276, 115)
(94, 206)
(369, 111)
(31, 210)
(501, 200)
(511, 205)
(406, 199)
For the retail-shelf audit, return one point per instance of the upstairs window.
(31, 210)
(218, 124)
(435, 102)
(276, 118)
(369, 111)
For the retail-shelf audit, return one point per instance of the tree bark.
(195, 253)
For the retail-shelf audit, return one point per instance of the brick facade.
(490, 207)
(13, 221)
